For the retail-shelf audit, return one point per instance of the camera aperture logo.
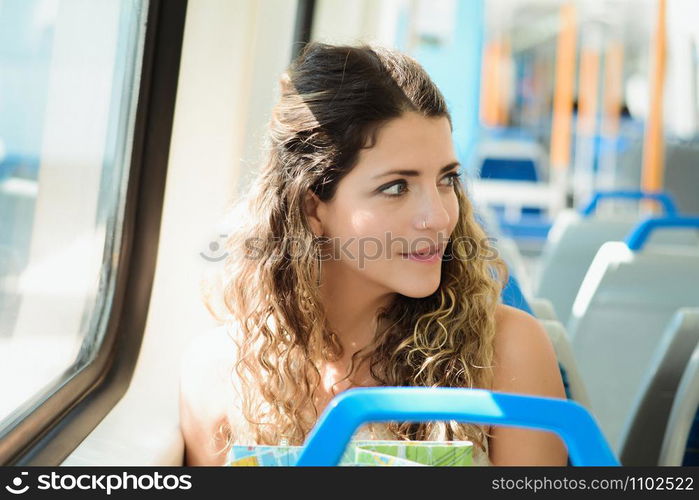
(16, 488)
(104, 482)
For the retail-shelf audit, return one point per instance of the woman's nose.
(433, 213)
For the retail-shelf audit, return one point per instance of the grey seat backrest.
(542, 308)
(683, 417)
(682, 178)
(573, 243)
(622, 309)
(643, 433)
(564, 353)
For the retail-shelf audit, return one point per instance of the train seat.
(567, 254)
(642, 435)
(682, 176)
(520, 169)
(511, 159)
(576, 237)
(627, 298)
(681, 441)
(543, 308)
(575, 386)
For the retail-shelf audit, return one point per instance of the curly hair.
(333, 101)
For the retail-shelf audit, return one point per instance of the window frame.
(55, 428)
(305, 10)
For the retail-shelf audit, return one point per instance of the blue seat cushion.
(691, 453)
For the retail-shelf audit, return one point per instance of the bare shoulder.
(206, 394)
(525, 361)
(515, 325)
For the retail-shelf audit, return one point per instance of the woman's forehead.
(411, 141)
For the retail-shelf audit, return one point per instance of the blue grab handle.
(663, 198)
(345, 413)
(639, 234)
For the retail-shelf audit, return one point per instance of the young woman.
(357, 261)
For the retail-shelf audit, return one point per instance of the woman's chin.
(419, 290)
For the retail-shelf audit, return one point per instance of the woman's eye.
(400, 187)
(451, 178)
(395, 189)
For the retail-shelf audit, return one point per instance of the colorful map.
(364, 453)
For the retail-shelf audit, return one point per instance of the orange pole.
(503, 105)
(490, 83)
(613, 82)
(561, 127)
(653, 146)
(495, 84)
(587, 90)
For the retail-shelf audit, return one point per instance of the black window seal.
(53, 430)
(303, 27)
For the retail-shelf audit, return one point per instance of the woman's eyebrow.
(415, 173)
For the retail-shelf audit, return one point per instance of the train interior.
(127, 127)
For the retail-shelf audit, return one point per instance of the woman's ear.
(313, 208)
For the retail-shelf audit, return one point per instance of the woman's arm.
(205, 392)
(525, 363)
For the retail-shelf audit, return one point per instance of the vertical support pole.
(495, 82)
(505, 82)
(561, 128)
(613, 82)
(611, 111)
(653, 146)
(585, 151)
(489, 79)
(589, 76)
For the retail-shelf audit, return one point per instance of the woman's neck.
(351, 304)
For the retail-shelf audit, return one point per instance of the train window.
(67, 112)
(111, 203)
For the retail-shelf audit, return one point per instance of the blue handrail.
(663, 198)
(639, 234)
(345, 413)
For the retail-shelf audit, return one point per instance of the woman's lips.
(434, 256)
